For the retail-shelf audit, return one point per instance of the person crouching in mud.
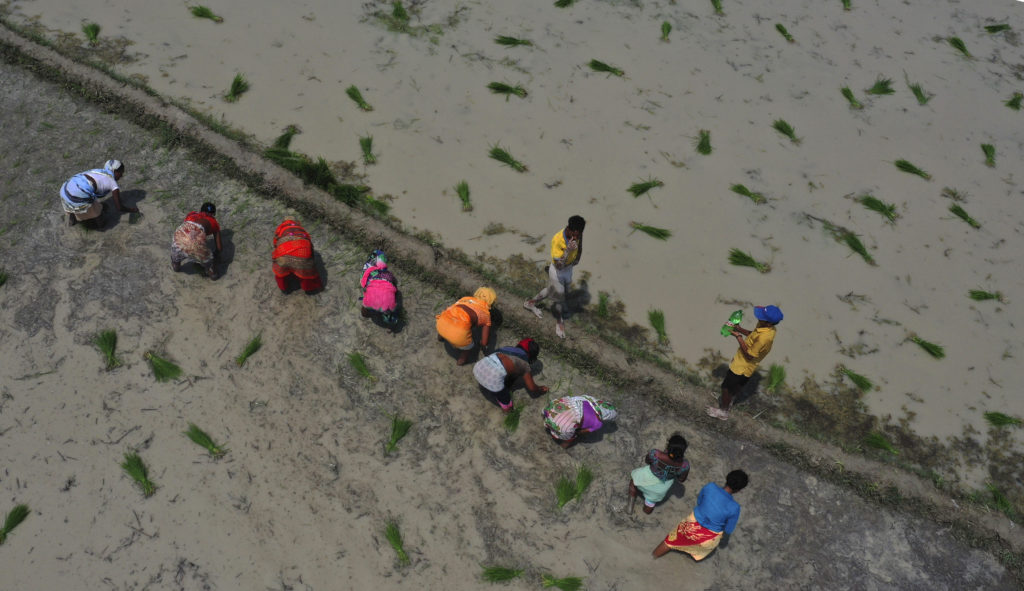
(380, 289)
(498, 372)
(80, 195)
(189, 242)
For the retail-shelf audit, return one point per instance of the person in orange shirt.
(293, 256)
(455, 325)
(754, 347)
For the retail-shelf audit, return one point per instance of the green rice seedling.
(846, 5)
(878, 441)
(785, 34)
(757, 198)
(239, 86)
(358, 363)
(951, 193)
(909, 168)
(91, 32)
(781, 126)
(704, 142)
(919, 93)
(997, 28)
(638, 189)
(886, 210)
(462, 190)
(398, 12)
(851, 240)
(394, 537)
(848, 95)
(990, 155)
(513, 416)
(656, 233)
(666, 28)
(511, 41)
(251, 347)
(106, 342)
(599, 66)
(881, 86)
(998, 419)
(657, 319)
(136, 468)
(717, 5)
(3, 277)
(565, 491)
(936, 351)
(399, 429)
(602, 305)
(357, 97)
(584, 477)
(499, 574)
(863, 384)
(502, 155)
(200, 438)
(366, 145)
(507, 90)
(565, 583)
(14, 518)
(284, 140)
(776, 376)
(1015, 100)
(204, 12)
(961, 213)
(163, 370)
(743, 259)
(564, 3)
(958, 44)
(980, 295)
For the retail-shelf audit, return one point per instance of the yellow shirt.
(759, 343)
(560, 252)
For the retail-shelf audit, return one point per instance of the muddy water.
(586, 137)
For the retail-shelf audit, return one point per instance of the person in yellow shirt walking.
(754, 347)
(566, 252)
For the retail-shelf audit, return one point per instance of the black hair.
(577, 223)
(736, 480)
(532, 350)
(209, 208)
(676, 446)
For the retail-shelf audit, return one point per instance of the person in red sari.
(716, 513)
(293, 256)
(189, 242)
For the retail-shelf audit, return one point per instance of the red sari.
(693, 538)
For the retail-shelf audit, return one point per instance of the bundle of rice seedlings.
(3, 277)
(501, 155)
(14, 518)
(599, 66)
(366, 145)
(106, 342)
(358, 363)
(399, 429)
(998, 419)
(863, 384)
(513, 416)
(717, 4)
(507, 90)
(602, 305)
(135, 468)
(886, 210)
(657, 319)
(704, 142)
(511, 41)
(200, 438)
(584, 477)
(881, 86)
(564, 3)
(848, 95)
(1015, 100)
(666, 28)
(953, 194)
(284, 140)
(742, 259)
(932, 349)
(851, 240)
(163, 370)
(919, 93)
(204, 12)
(239, 86)
(499, 574)
(656, 233)
(565, 491)
(782, 31)
(565, 583)
(91, 32)
(357, 97)
(776, 376)
(394, 537)
(997, 28)
(757, 198)
(878, 441)
(909, 168)
(251, 347)
(462, 190)
(999, 500)
(638, 189)
(980, 295)
(783, 127)
(398, 12)
(962, 214)
(990, 155)
(958, 44)
(846, 5)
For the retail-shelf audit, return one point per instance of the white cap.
(113, 165)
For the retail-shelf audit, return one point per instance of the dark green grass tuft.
(136, 468)
(106, 342)
(783, 127)
(717, 5)
(878, 441)
(638, 189)
(1015, 100)
(366, 145)
(398, 12)
(961, 213)
(250, 349)
(886, 210)
(936, 351)
(91, 32)
(757, 198)
(14, 518)
(998, 419)
(3, 277)
(881, 86)
(958, 44)
(657, 320)
(980, 295)
(564, 3)
(599, 66)
(239, 86)
(204, 12)
(507, 90)
(284, 140)
(499, 574)
(990, 155)
(997, 28)
(999, 500)
(399, 429)
(743, 259)
(202, 439)
(653, 232)
(666, 28)
(704, 142)
(512, 41)
(564, 583)
(603, 305)
(848, 95)
(776, 377)
(846, 5)
(357, 97)
(462, 190)
(863, 384)
(909, 168)
(394, 538)
(358, 363)
(163, 370)
(501, 155)
(785, 34)
(512, 417)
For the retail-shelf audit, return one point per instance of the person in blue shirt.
(716, 513)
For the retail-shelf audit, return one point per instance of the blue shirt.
(716, 509)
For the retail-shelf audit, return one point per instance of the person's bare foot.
(717, 413)
(648, 510)
(529, 305)
(463, 359)
(560, 329)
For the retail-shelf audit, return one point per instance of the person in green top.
(566, 252)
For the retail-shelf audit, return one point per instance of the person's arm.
(532, 386)
(216, 240)
(741, 335)
(682, 477)
(485, 335)
(579, 250)
(730, 524)
(116, 195)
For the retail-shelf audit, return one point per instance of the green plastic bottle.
(734, 320)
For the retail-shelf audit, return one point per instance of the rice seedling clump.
(653, 232)
(202, 439)
(106, 342)
(91, 32)
(14, 518)
(599, 66)
(239, 86)
(204, 12)
(704, 142)
(136, 469)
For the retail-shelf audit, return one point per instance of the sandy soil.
(301, 500)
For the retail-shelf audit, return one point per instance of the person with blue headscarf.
(80, 195)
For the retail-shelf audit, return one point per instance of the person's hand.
(543, 389)
(125, 209)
